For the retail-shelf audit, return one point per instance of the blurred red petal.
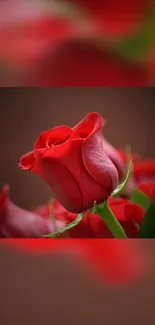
(81, 63)
(115, 261)
(116, 18)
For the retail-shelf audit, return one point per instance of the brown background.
(55, 289)
(27, 112)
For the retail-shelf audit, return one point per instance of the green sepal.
(110, 220)
(68, 227)
(120, 188)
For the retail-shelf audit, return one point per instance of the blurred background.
(38, 288)
(77, 43)
(26, 112)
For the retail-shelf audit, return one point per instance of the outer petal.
(98, 165)
(27, 162)
(114, 157)
(90, 124)
(63, 184)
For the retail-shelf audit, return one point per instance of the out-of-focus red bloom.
(73, 162)
(116, 18)
(26, 44)
(92, 226)
(114, 261)
(148, 189)
(82, 63)
(125, 157)
(144, 171)
(18, 223)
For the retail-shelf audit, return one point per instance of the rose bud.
(18, 223)
(73, 162)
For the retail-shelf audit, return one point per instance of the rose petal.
(27, 162)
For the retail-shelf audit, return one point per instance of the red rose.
(148, 189)
(18, 223)
(73, 162)
(92, 226)
(144, 171)
(82, 63)
(25, 45)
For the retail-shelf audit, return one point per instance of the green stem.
(111, 221)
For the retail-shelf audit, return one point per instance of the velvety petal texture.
(73, 162)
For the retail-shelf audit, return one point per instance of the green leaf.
(68, 227)
(140, 198)
(147, 227)
(120, 188)
(111, 221)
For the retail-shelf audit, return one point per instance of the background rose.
(92, 226)
(83, 63)
(19, 223)
(144, 171)
(74, 164)
(148, 189)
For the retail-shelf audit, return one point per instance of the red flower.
(148, 189)
(92, 226)
(82, 63)
(26, 44)
(116, 18)
(144, 171)
(18, 223)
(74, 163)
